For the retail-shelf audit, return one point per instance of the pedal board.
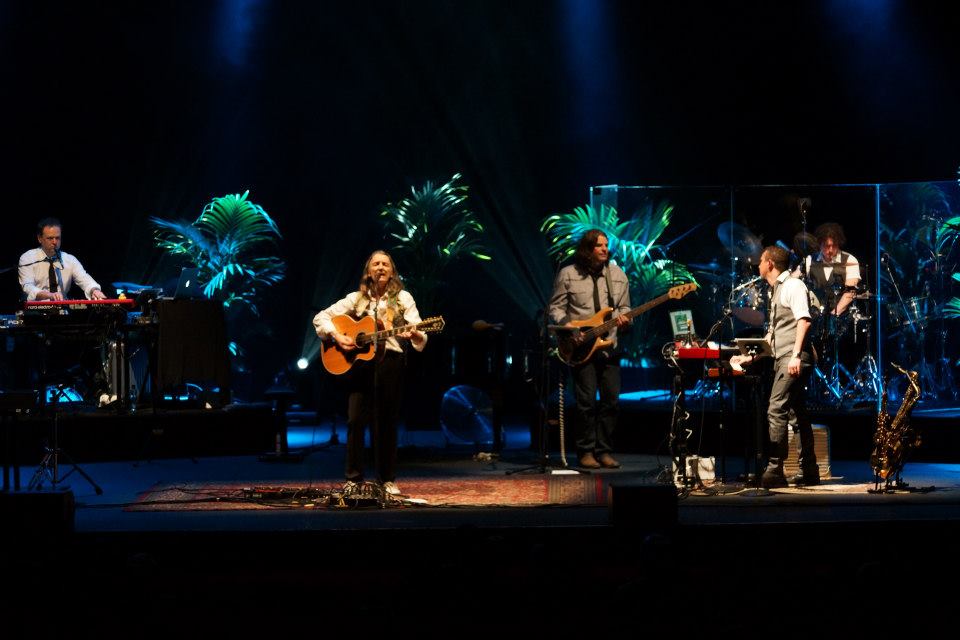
(300, 495)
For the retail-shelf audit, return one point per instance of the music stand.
(756, 347)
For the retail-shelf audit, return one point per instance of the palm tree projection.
(431, 228)
(633, 244)
(233, 243)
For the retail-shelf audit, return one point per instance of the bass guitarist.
(375, 387)
(580, 291)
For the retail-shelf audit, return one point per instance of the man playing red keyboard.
(46, 273)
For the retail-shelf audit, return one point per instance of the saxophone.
(895, 437)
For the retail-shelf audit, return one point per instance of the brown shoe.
(587, 461)
(608, 461)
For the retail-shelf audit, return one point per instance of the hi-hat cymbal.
(739, 241)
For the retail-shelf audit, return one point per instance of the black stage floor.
(835, 560)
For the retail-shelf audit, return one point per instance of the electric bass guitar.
(578, 344)
(369, 341)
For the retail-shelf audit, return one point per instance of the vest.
(783, 326)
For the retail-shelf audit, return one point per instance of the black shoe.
(807, 477)
(773, 479)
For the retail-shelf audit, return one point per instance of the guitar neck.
(386, 333)
(609, 324)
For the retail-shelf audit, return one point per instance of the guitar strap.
(606, 276)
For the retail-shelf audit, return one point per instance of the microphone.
(783, 245)
(60, 258)
(748, 283)
(483, 325)
(884, 258)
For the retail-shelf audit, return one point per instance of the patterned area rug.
(515, 491)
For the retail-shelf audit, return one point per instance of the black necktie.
(53, 277)
(596, 292)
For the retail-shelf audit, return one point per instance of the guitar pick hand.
(345, 342)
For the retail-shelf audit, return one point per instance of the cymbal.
(805, 244)
(739, 241)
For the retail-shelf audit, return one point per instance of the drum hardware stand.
(930, 385)
(865, 384)
(49, 469)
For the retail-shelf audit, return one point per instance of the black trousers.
(375, 391)
(598, 418)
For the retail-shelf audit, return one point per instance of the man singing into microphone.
(46, 273)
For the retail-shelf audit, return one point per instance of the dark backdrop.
(116, 111)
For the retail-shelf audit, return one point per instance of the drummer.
(834, 270)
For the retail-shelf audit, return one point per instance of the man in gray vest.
(788, 337)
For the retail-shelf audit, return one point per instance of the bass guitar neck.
(590, 336)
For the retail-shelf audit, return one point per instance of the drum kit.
(736, 286)
(843, 341)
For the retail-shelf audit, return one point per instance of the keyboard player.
(47, 273)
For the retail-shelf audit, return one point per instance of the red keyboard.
(697, 353)
(79, 304)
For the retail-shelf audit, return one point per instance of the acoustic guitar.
(587, 337)
(370, 342)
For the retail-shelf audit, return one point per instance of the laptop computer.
(681, 322)
(189, 285)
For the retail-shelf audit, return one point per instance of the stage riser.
(47, 514)
(850, 436)
(97, 437)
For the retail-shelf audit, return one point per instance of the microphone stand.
(542, 388)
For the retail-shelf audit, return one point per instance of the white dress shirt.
(36, 277)
(323, 322)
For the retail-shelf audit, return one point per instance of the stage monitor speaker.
(647, 507)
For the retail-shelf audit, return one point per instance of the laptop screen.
(189, 284)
